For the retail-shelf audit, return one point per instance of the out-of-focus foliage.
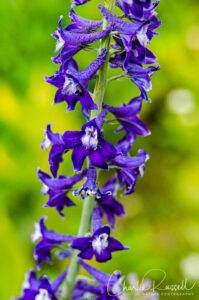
(162, 224)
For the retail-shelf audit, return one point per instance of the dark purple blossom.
(127, 115)
(80, 24)
(127, 169)
(40, 288)
(72, 85)
(90, 142)
(138, 74)
(137, 9)
(125, 144)
(79, 2)
(57, 189)
(84, 289)
(110, 286)
(133, 36)
(90, 186)
(134, 51)
(100, 245)
(57, 150)
(107, 203)
(73, 41)
(118, 24)
(131, 33)
(48, 240)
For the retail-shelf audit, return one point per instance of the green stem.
(74, 265)
(89, 202)
(116, 77)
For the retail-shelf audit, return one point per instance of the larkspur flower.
(40, 288)
(110, 286)
(90, 186)
(134, 37)
(90, 142)
(57, 150)
(137, 9)
(139, 75)
(72, 41)
(72, 85)
(80, 24)
(48, 240)
(57, 189)
(118, 24)
(127, 115)
(132, 51)
(100, 245)
(127, 169)
(79, 2)
(83, 289)
(107, 203)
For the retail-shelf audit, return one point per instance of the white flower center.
(60, 42)
(90, 138)
(69, 86)
(117, 287)
(100, 243)
(142, 36)
(43, 295)
(37, 234)
(44, 189)
(45, 143)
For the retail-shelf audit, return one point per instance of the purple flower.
(40, 288)
(84, 290)
(57, 189)
(73, 41)
(72, 85)
(127, 169)
(48, 240)
(127, 115)
(57, 150)
(89, 187)
(139, 75)
(110, 286)
(118, 24)
(107, 204)
(134, 37)
(80, 24)
(100, 245)
(79, 2)
(134, 51)
(137, 9)
(90, 142)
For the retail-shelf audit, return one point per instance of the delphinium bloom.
(109, 286)
(40, 288)
(127, 115)
(100, 244)
(87, 142)
(72, 85)
(107, 203)
(127, 170)
(57, 189)
(48, 240)
(122, 44)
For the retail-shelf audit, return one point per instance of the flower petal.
(72, 139)
(78, 156)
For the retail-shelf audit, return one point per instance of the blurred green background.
(162, 225)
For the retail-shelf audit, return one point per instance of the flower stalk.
(88, 205)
